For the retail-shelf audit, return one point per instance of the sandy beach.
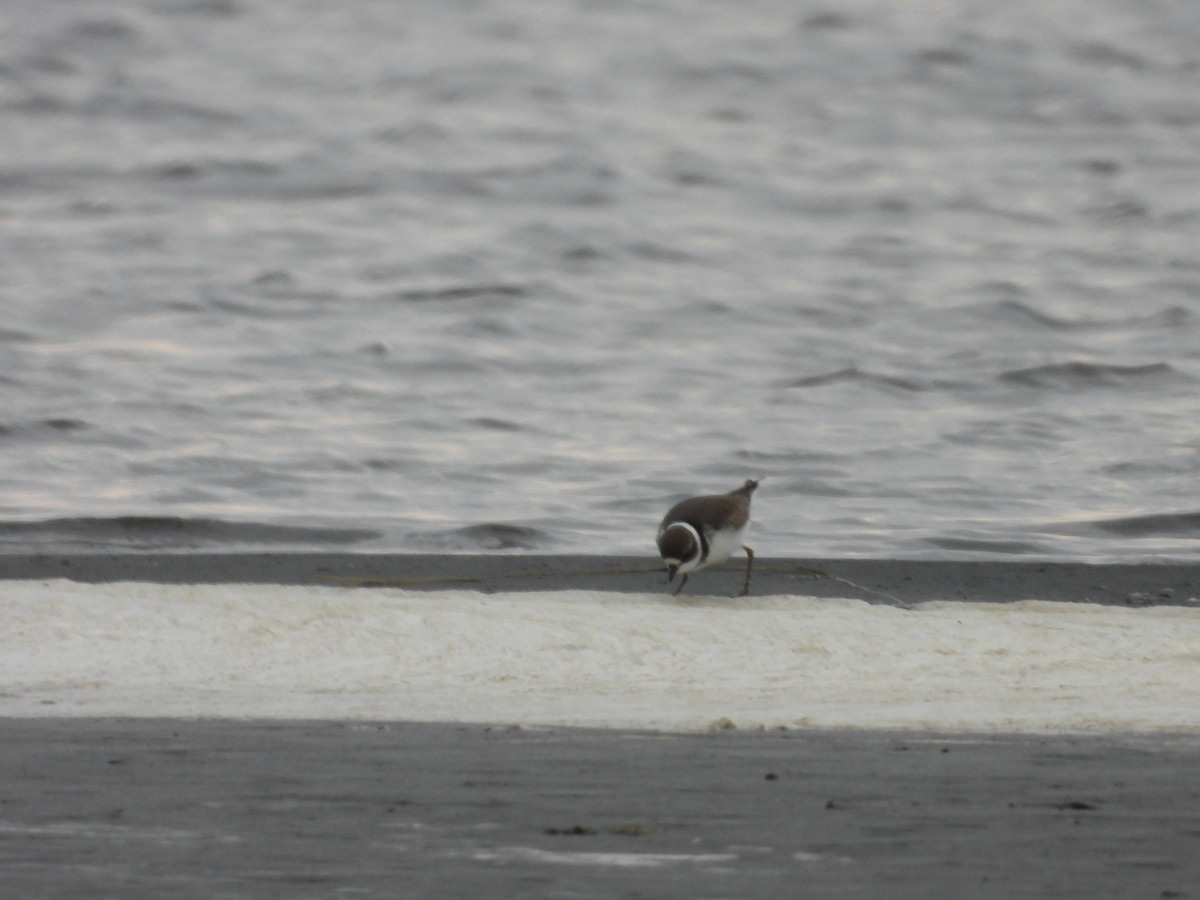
(251, 808)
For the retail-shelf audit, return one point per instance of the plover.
(702, 531)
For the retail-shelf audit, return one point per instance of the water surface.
(479, 276)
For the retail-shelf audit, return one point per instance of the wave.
(855, 374)
(1175, 524)
(461, 292)
(165, 533)
(1022, 313)
(42, 426)
(969, 545)
(485, 536)
(1078, 374)
(494, 423)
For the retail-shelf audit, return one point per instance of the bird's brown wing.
(719, 511)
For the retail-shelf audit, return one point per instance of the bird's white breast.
(723, 544)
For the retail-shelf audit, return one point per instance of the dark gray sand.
(182, 809)
(875, 580)
(206, 809)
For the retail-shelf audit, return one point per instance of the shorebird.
(701, 531)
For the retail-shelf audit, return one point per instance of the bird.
(701, 531)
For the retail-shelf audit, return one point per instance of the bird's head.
(679, 546)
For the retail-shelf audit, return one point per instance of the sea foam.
(585, 658)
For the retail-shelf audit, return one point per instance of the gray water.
(474, 276)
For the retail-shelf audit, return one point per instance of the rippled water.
(461, 276)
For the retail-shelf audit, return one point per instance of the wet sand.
(204, 809)
(874, 580)
(228, 808)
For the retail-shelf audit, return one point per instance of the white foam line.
(596, 659)
(589, 858)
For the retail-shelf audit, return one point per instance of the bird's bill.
(671, 570)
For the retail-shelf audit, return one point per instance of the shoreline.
(204, 807)
(896, 582)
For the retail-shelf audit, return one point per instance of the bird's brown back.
(730, 510)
